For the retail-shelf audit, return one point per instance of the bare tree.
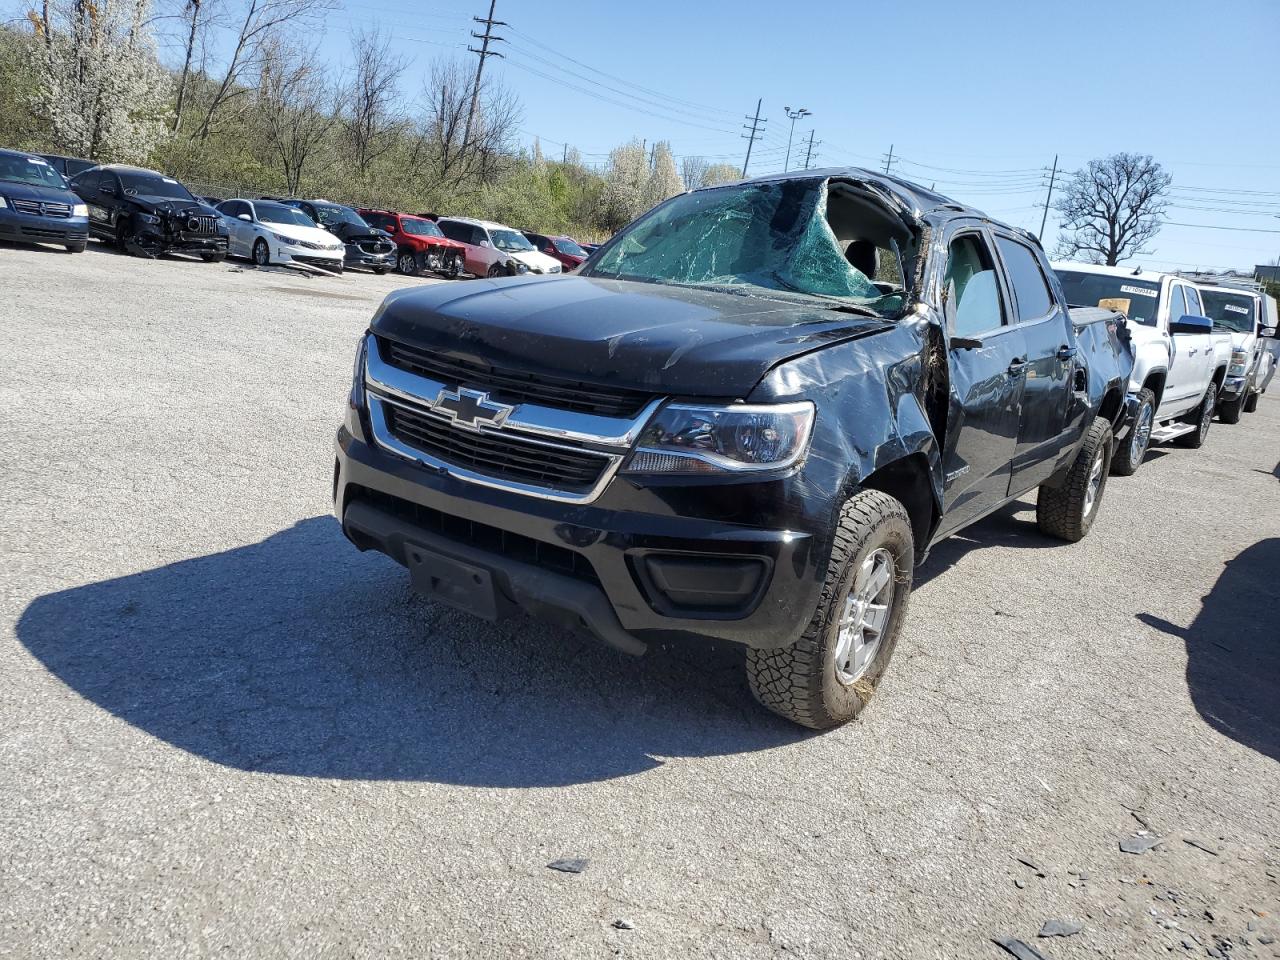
(373, 114)
(441, 150)
(195, 22)
(1112, 208)
(692, 170)
(297, 107)
(261, 21)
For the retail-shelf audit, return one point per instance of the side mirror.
(245, 217)
(1267, 332)
(486, 243)
(1190, 323)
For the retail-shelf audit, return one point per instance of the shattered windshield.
(420, 228)
(1087, 289)
(1233, 311)
(332, 214)
(769, 236)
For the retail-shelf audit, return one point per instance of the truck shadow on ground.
(299, 656)
(1233, 650)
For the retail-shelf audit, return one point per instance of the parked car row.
(146, 213)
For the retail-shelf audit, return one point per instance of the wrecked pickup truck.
(746, 418)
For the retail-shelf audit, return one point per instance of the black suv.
(367, 246)
(747, 417)
(148, 214)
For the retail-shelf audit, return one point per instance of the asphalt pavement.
(225, 732)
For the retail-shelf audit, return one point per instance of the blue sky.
(977, 96)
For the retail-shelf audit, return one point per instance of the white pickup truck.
(1242, 309)
(1180, 360)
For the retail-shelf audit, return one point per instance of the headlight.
(555, 269)
(79, 210)
(688, 439)
(2, 203)
(287, 241)
(520, 266)
(147, 218)
(356, 399)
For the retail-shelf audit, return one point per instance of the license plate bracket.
(461, 585)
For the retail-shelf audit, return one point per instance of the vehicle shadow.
(297, 655)
(1233, 650)
(1003, 528)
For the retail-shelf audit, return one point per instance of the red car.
(564, 249)
(419, 243)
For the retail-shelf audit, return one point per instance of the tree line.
(246, 99)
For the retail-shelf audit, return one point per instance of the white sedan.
(268, 232)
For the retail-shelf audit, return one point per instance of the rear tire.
(1201, 416)
(1251, 404)
(1067, 512)
(1131, 453)
(827, 676)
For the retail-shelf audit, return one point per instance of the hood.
(350, 233)
(309, 234)
(171, 206)
(535, 259)
(29, 191)
(1242, 341)
(640, 336)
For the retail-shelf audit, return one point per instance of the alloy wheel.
(1141, 434)
(864, 616)
(1095, 482)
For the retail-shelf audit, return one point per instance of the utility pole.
(757, 131)
(485, 53)
(808, 154)
(793, 116)
(1052, 176)
(888, 161)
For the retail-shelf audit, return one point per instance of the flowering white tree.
(634, 182)
(664, 179)
(101, 88)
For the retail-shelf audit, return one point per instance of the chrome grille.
(502, 455)
(202, 225)
(38, 209)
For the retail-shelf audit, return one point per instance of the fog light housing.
(696, 585)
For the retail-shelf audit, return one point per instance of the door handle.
(1016, 365)
(1066, 353)
(1193, 351)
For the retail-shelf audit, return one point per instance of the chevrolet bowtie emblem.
(471, 409)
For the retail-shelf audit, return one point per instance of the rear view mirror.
(1190, 323)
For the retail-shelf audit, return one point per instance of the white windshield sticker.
(1234, 309)
(1140, 291)
(34, 160)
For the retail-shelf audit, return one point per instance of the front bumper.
(196, 243)
(357, 257)
(640, 564)
(32, 228)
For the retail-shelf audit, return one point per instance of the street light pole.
(794, 115)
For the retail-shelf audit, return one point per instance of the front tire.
(407, 263)
(379, 271)
(1129, 457)
(216, 256)
(261, 253)
(1068, 511)
(1203, 415)
(77, 247)
(496, 271)
(827, 676)
(1229, 410)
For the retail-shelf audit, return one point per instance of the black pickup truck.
(746, 417)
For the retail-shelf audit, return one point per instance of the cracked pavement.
(224, 731)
